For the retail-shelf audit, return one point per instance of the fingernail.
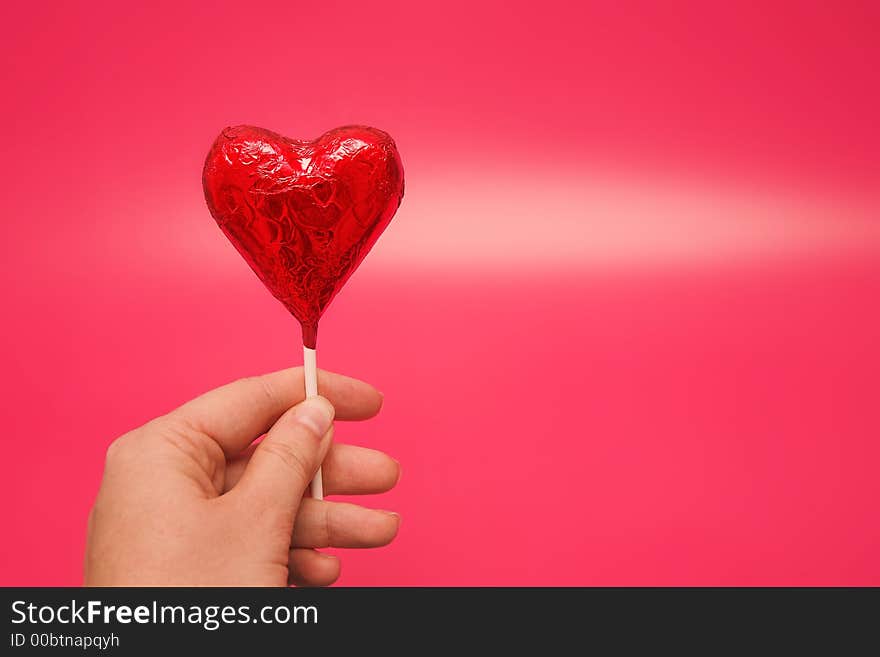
(390, 513)
(317, 414)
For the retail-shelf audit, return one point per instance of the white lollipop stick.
(310, 368)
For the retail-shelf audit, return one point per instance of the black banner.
(410, 621)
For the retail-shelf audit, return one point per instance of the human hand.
(188, 499)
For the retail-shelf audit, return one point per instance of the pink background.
(626, 319)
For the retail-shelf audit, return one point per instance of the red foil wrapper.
(303, 214)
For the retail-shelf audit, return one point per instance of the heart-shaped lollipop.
(303, 214)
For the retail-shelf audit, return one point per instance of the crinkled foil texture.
(303, 214)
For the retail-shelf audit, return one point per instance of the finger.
(347, 470)
(311, 568)
(321, 524)
(353, 470)
(237, 413)
(284, 463)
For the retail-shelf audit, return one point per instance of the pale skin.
(190, 499)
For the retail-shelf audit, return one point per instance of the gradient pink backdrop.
(626, 319)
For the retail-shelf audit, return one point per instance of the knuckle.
(265, 386)
(117, 449)
(289, 457)
(306, 427)
(191, 445)
(329, 533)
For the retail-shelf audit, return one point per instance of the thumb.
(287, 459)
